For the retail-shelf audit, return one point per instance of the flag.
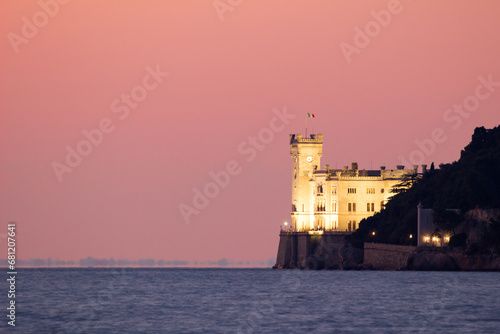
(310, 115)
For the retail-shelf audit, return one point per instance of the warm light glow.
(447, 238)
(373, 233)
(411, 236)
(427, 238)
(286, 223)
(315, 232)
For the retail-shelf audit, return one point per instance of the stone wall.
(300, 250)
(387, 257)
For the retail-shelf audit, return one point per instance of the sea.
(227, 300)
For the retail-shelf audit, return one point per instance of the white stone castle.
(335, 199)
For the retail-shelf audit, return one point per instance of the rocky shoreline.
(452, 260)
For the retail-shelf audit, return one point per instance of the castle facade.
(325, 199)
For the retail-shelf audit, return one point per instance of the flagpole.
(306, 124)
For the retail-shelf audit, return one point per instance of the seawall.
(302, 250)
(386, 256)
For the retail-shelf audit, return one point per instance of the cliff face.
(351, 258)
(434, 259)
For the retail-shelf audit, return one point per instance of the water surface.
(171, 300)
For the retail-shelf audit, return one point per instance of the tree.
(407, 181)
(447, 220)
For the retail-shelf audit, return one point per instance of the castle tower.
(306, 156)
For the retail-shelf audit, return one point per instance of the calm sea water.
(253, 301)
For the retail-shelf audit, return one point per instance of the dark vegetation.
(471, 182)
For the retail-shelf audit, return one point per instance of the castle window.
(303, 208)
(351, 207)
(353, 225)
(373, 207)
(320, 188)
(370, 190)
(334, 190)
(351, 190)
(370, 207)
(382, 206)
(334, 206)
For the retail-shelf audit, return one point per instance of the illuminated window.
(370, 190)
(351, 190)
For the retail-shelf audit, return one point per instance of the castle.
(325, 199)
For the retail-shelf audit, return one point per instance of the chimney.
(400, 167)
(382, 167)
(424, 169)
(415, 168)
(354, 166)
(327, 167)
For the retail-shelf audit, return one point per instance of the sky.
(116, 116)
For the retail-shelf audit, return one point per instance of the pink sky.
(225, 78)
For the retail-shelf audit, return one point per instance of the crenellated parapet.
(313, 139)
